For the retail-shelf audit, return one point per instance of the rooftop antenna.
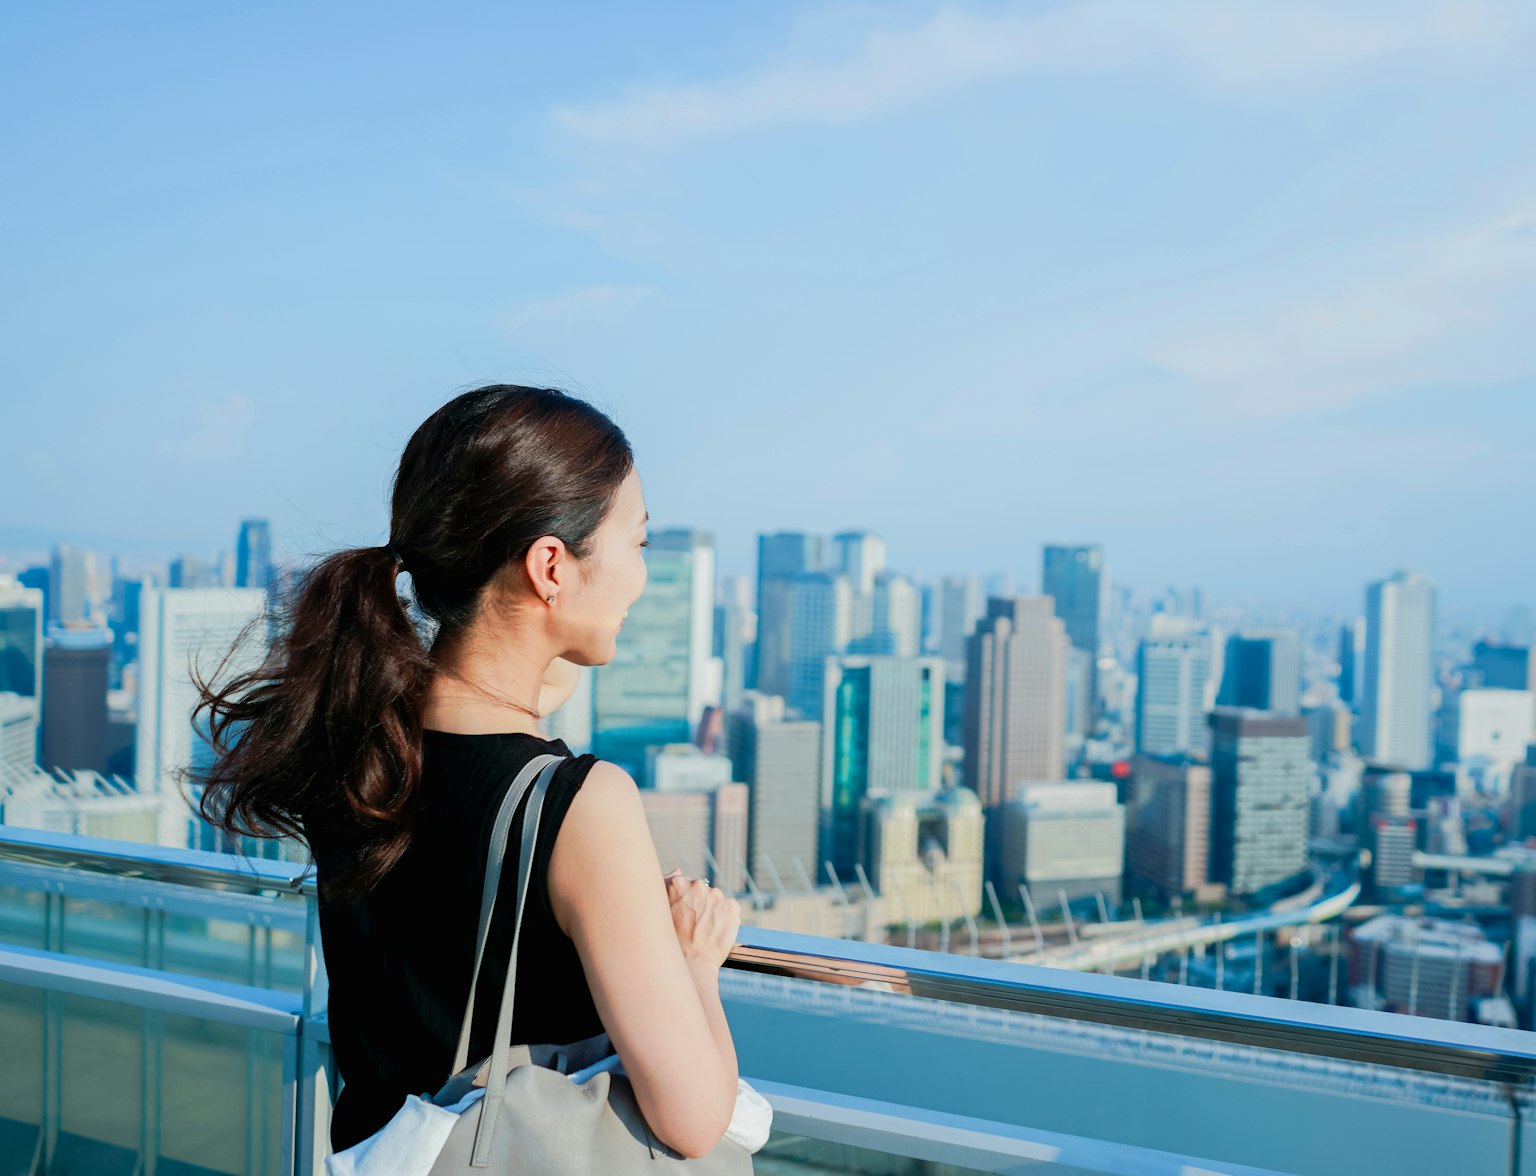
(997, 913)
(759, 902)
(805, 880)
(970, 919)
(842, 897)
(938, 910)
(1220, 945)
(1141, 934)
(1034, 919)
(1333, 966)
(778, 885)
(1066, 914)
(1413, 976)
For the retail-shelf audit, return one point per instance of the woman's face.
(614, 578)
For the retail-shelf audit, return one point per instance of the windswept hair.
(328, 728)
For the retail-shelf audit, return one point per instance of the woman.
(519, 516)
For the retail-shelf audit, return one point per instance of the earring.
(550, 599)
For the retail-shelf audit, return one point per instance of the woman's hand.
(706, 920)
(559, 684)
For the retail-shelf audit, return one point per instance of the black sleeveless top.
(398, 961)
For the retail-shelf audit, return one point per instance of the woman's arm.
(662, 1013)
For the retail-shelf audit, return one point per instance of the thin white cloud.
(589, 304)
(220, 433)
(1423, 322)
(1225, 44)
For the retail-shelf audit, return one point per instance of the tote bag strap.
(499, 833)
(496, 1082)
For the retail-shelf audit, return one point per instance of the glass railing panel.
(1207, 1100)
(21, 1077)
(241, 939)
(22, 916)
(97, 1086)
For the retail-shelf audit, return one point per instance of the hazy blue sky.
(1245, 292)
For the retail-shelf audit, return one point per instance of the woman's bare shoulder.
(604, 834)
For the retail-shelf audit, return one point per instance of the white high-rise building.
(860, 555)
(1486, 732)
(181, 629)
(18, 739)
(1395, 707)
(72, 584)
(1066, 836)
(1172, 674)
(961, 605)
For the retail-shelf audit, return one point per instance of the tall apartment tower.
(1262, 671)
(1171, 674)
(253, 555)
(1396, 725)
(779, 759)
(78, 667)
(734, 629)
(21, 639)
(1261, 768)
(780, 558)
(1351, 661)
(884, 721)
(824, 610)
(71, 584)
(961, 605)
(1168, 834)
(859, 555)
(660, 680)
(1075, 578)
(182, 629)
(1015, 699)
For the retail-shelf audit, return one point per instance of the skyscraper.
(1262, 671)
(894, 618)
(884, 721)
(1062, 836)
(1395, 720)
(18, 742)
(1015, 698)
(1075, 578)
(253, 555)
(182, 629)
(1261, 767)
(1171, 674)
(961, 605)
(1485, 734)
(1168, 824)
(859, 555)
(71, 584)
(779, 760)
(780, 558)
(824, 610)
(655, 689)
(21, 639)
(735, 626)
(1351, 660)
(78, 664)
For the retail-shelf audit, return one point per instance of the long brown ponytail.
(328, 728)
